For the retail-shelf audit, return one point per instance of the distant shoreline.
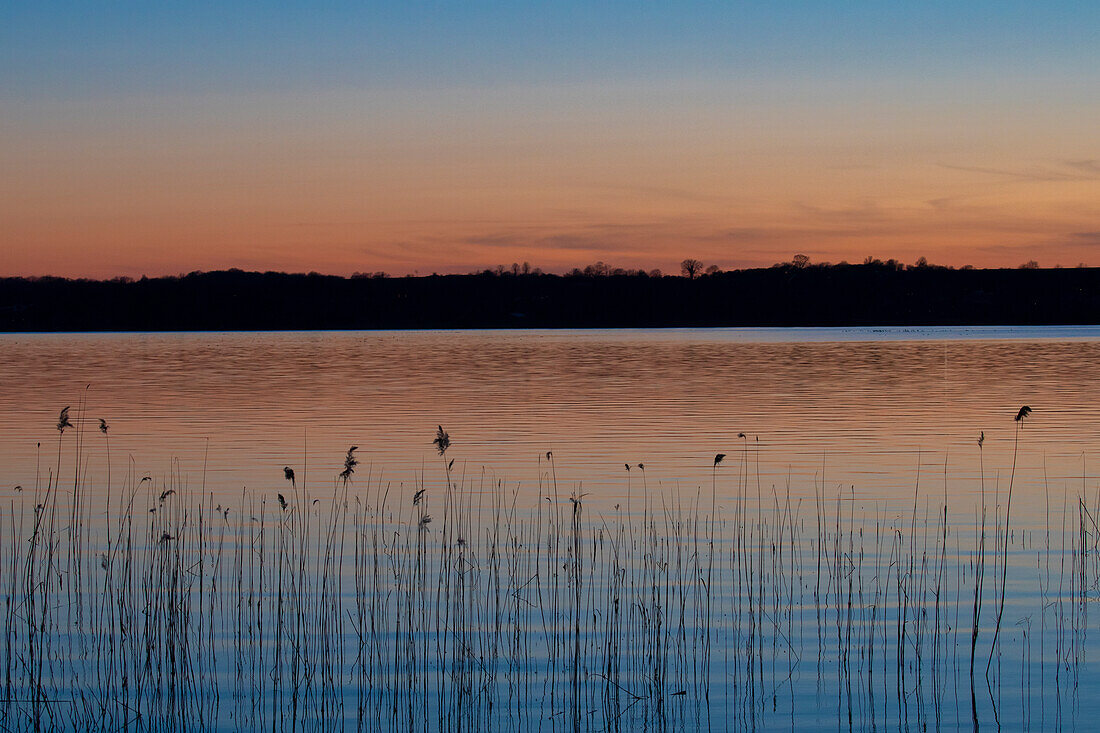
(870, 295)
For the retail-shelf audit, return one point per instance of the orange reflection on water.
(862, 409)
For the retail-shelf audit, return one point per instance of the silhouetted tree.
(800, 261)
(713, 270)
(689, 268)
(819, 295)
(1030, 265)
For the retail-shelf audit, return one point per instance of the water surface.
(863, 407)
(821, 576)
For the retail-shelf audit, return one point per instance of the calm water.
(829, 594)
(866, 405)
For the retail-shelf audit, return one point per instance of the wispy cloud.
(1091, 239)
(1089, 167)
(1067, 170)
(598, 237)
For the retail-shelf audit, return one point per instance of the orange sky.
(980, 167)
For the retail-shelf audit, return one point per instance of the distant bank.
(840, 295)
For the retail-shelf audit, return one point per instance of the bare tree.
(800, 261)
(713, 270)
(689, 268)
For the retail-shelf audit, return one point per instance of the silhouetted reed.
(503, 608)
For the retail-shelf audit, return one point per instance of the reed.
(458, 602)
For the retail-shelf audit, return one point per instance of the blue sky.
(101, 48)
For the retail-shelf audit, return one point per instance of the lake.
(867, 404)
(673, 591)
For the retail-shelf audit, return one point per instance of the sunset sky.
(157, 138)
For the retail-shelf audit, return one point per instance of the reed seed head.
(350, 462)
(442, 441)
(63, 420)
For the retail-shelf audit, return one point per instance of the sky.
(159, 138)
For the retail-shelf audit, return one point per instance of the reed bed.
(466, 603)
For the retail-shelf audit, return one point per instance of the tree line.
(796, 293)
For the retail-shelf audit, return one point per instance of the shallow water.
(857, 442)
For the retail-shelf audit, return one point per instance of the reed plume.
(63, 420)
(442, 440)
(350, 462)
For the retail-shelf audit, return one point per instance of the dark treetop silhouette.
(784, 295)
